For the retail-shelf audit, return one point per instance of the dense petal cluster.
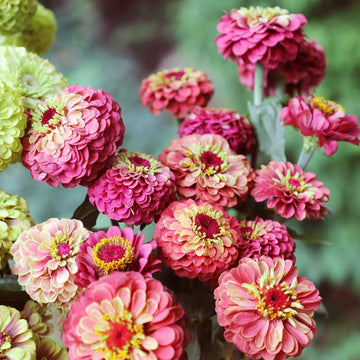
(197, 240)
(290, 191)
(72, 136)
(235, 128)
(207, 169)
(125, 315)
(266, 308)
(266, 237)
(177, 91)
(44, 260)
(323, 119)
(48, 349)
(114, 250)
(134, 189)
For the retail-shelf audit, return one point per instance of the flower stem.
(258, 84)
(305, 157)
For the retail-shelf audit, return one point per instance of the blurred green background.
(114, 44)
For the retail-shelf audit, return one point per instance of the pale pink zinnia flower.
(176, 91)
(290, 191)
(197, 240)
(134, 189)
(72, 136)
(125, 315)
(114, 250)
(266, 309)
(266, 237)
(207, 169)
(323, 119)
(44, 260)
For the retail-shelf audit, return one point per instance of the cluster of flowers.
(103, 279)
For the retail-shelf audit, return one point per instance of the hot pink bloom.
(267, 35)
(235, 128)
(197, 240)
(114, 250)
(125, 316)
(44, 258)
(207, 169)
(290, 191)
(72, 136)
(266, 308)
(323, 119)
(176, 90)
(266, 237)
(135, 189)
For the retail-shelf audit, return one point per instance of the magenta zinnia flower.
(197, 240)
(44, 258)
(290, 191)
(125, 315)
(72, 136)
(135, 189)
(114, 250)
(266, 237)
(266, 309)
(177, 91)
(323, 119)
(207, 169)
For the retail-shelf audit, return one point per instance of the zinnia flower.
(125, 315)
(44, 260)
(235, 128)
(177, 91)
(135, 189)
(266, 309)
(114, 250)
(72, 136)
(16, 339)
(290, 191)
(266, 237)
(323, 119)
(49, 349)
(197, 240)
(207, 169)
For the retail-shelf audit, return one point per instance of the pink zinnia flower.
(125, 315)
(72, 136)
(266, 309)
(176, 90)
(290, 191)
(197, 240)
(114, 250)
(235, 128)
(266, 237)
(323, 119)
(267, 35)
(134, 189)
(44, 258)
(207, 169)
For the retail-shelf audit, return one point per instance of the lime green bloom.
(48, 349)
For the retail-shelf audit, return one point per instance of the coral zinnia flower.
(135, 189)
(291, 191)
(114, 250)
(176, 90)
(44, 258)
(323, 119)
(266, 308)
(125, 315)
(72, 136)
(197, 240)
(207, 169)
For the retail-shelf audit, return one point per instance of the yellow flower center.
(295, 184)
(5, 344)
(328, 107)
(62, 247)
(256, 15)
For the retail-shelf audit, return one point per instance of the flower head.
(49, 349)
(177, 91)
(290, 191)
(44, 260)
(207, 169)
(266, 309)
(135, 188)
(125, 315)
(197, 240)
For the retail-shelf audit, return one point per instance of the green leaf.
(311, 238)
(11, 293)
(87, 213)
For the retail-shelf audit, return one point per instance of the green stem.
(258, 84)
(305, 157)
